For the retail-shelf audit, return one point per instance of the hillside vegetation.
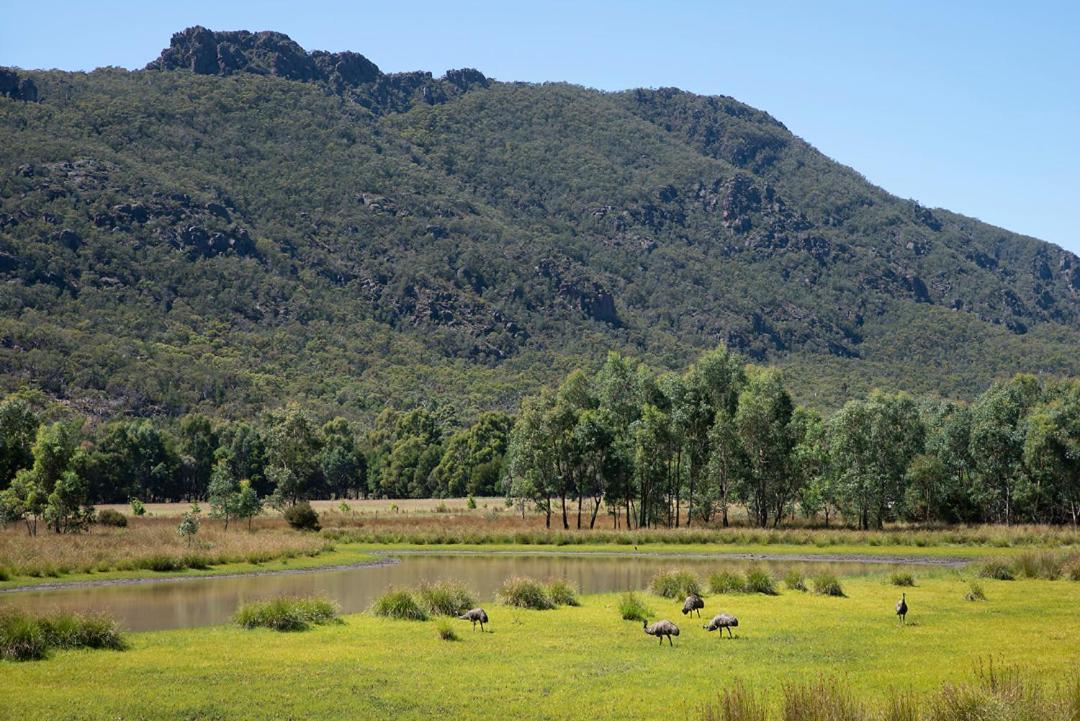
(244, 223)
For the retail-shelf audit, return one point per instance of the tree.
(761, 421)
(1052, 452)
(198, 442)
(341, 460)
(727, 463)
(293, 448)
(50, 488)
(224, 493)
(18, 427)
(248, 503)
(67, 508)
(189, 525)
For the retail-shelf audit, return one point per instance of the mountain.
(244, 222)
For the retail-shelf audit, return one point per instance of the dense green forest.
(626, 445)
(244, 224)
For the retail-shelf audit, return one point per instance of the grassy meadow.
(571, 662)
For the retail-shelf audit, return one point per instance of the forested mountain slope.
(243, 223)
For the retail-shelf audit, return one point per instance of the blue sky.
(971, 106)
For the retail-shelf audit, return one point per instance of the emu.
(661, 629)
(901, 608)
(720, 622)
(693, 603)
(476, 615)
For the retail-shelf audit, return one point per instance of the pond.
(189, 602)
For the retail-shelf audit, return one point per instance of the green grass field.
(582, 662)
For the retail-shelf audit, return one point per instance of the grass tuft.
(902, 578)
(823, 700)
(975, 592)
(827, 584)
(401, 604)
(445, 598)
(27, 637)
(795, 580)
(675, 583)
(525, 592)
(286, 613)
(562, 592)
(737, 703)
(997, 569)
(758, 580)
(633, 608)
(445, 630)
(726, 582)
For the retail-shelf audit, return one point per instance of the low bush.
(399, 603)
(5, 574)
(286, 613)
(997, 569)
(675, 583)
(902, 578)
(975, 592)
(562, 592)
(302, 517)
(795, 580)
(726, 582)
(445, 630)
(525, 592)
(109, 517)
(758, 580)
(633, 608)
(827, 584)
(27, 637)
(445, 598)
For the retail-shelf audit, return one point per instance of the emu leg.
(728, 632)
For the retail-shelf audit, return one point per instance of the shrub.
(302, 517)
(525, 593)
(470, 503)
(675, 583)
(109, 517)
(286, 613)
(26, 637)
(902, 578)
(827, 584)
(726, 582)
(5, 574)
(975, 592)
(137, 507)
(445, 630)
(562, 592)
(758, 580)
(632, 608)
(997, 569)
(822, 700)
(794, 580)
(445, 598)
(399, 604)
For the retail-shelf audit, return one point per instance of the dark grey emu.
(693, 603)
(901, 608)
(720, 622)
(477, 616)
(661, 629)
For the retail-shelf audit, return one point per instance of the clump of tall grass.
(562, 592)
(726, 582)
(823, 700)
(525, 592)
(997, 569)
(795, 580)
(445, 630)
(399, 603)
(827, 584)
(975, 592)
(1041, 564)
(287, 613)
(902, 578)
(445, 598)
(737, 703)
(5, 574)
(758, 580)
(27, 637)
(633, 608)
(675, 583)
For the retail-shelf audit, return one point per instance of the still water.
(201, 602)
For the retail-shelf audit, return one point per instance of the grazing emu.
(901, 608)
(722, 621)
(661, 629)
(693, 603)
(476, 615)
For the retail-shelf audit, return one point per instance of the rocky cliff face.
(209, 52)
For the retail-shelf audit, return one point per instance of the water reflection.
(187, 603)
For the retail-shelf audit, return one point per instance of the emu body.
(693, 603)
(720, 622)
(901, 608)
(476, 615)
(660, 629)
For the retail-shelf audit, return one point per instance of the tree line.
(673, 449)
(646, 448)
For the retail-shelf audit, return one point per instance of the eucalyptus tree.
(762, 423)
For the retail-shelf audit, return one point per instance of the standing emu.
(720, 622)
(661, 629)
(901, 608)
(476, 615)
(693, 603)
